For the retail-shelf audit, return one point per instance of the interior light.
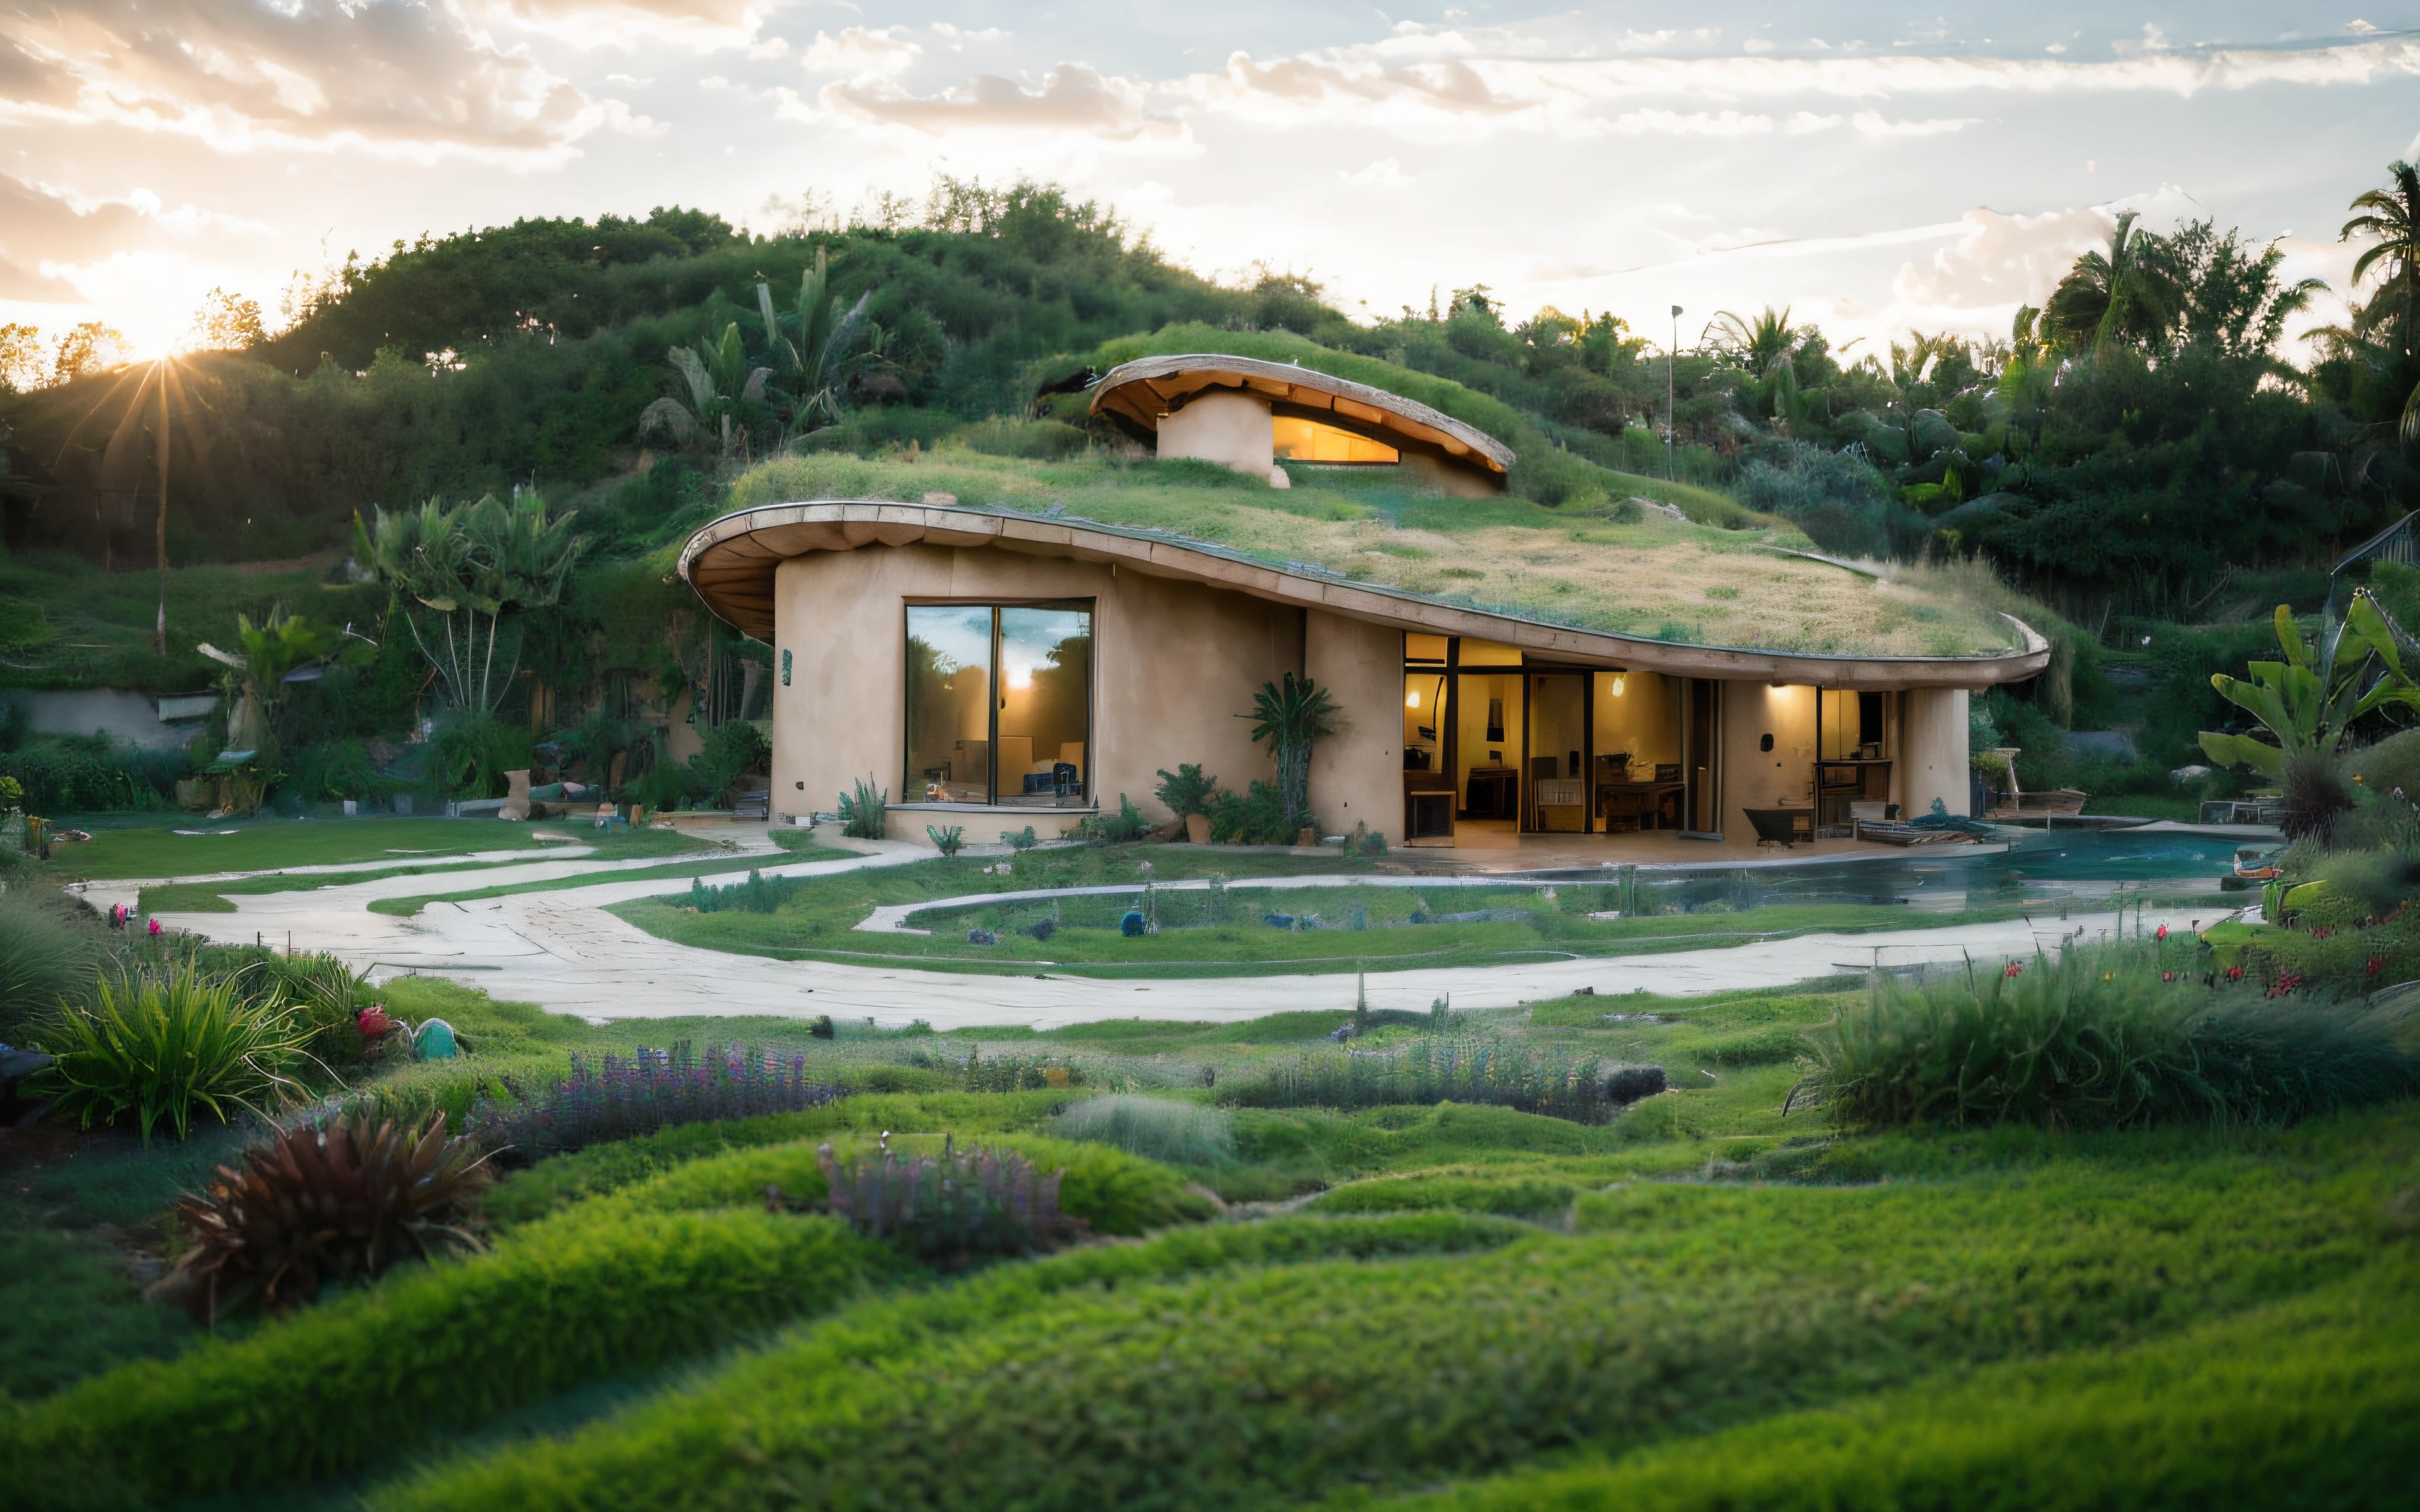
(1617, 685)
(1019, 676)
(1412, 699)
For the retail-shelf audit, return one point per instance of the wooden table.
(1649, 801)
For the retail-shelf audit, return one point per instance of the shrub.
(2098, 1039)
(1255, 817)
(865, 813)
(338, 1202)
(161, 1046)
(325, 995)
(1186, 790)
(733, 749)
(1156, 1128)
(759, 894)
(47, 956)
(652, 1090)
(1453, 1067)
(1127, 825)
(949, 1210)
(948, 842)
(90, 773)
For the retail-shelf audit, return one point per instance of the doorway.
(1701, 758)
(1556, 801)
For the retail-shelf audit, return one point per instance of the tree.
(259, 676)
(723, 392)
(2126, 295)
(2392, 216)
(2309, 701)
(1291, 719)
(21, 358)
(474, 562)
(90, 347)
(812, 367)
(2229, 300)
(1755, 344)
(226, 322)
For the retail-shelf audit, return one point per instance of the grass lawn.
(154, 849)
(406, 908)
(1707, 1297)
(1203, 931)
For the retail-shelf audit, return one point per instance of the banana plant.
(723, 392)
(2309, 701)
(812, 367)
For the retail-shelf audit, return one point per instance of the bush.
(570, 1302)
(1186, 790)
(67, 774)
(1155, 1128)
(1457, 1066)
(949, 1210)
(320, 1204)
(161, 1046)
(1127, 825)
(2113, 1037)
(49, 952)
(865, 813)
(1255, 817)
(651, 1091)
(759, 894)
(325, 995)
(734, 748)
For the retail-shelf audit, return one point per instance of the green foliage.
(759, 894)
(948, 1209)
(90, 774)
(572, 1301)
(1127, 824)
(49, 950)
(1290, 720)
(1186, 791)
(948, 842)
(161, 1046)
(865, 813)
(1456, 1066)
(1256, 816)
(2113, 1037)
(487, 560)
(1155, 1128)
(323, 995)
(734, 748)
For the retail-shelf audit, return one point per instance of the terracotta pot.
(1197, 828)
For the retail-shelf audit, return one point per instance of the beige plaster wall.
(1231, 429)
(1932, 751)
(1174, 663)
(1357, 774)
(1755, 778)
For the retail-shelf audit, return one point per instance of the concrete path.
(562, 950)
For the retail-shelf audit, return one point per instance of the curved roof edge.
(731, 560)
(1294, 385)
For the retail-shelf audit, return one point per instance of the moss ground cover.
(679, 871)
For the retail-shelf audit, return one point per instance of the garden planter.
(1197, 828)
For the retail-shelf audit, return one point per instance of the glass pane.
(1046, 705)
(949, 704)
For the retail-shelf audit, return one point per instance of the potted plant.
(1188, 794)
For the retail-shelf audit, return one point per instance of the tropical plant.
(1289, 719)
(1755, 343)
(2391, 216)
(731, 750)
(724, 391)
(273, 650)
(466, 564)
(813, 367)
(2128, 294)
(948, 842)
(325, 996)
(2309, 701)
(323, 1204)
(1186, 790)
(865, 813)
(160, 1046)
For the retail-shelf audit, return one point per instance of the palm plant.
(1755, 343)
(1291, 719)
(467, 564)
(2392, 215)
(273, 650)
(724, 390)
(813, 366)
(2127, 295)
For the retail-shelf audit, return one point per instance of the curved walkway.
(562, 950)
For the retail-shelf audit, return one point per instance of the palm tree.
(2127, 293)
(1291, 720)
(723, 389)
(2393, 216)
(812, 365)
(488, 559)
(1755, 343)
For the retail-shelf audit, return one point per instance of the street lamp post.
(159, 523)
(1669, 476)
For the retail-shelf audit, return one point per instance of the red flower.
(2235, 973)
(2375, 963)
(2160, 933)
(373, 1022)
(2015, 968)
(2168, 976)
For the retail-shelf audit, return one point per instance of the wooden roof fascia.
(718, 557)
(1294, 383)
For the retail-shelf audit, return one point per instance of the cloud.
(38, 226)
(2002, 260)
(701, 26)
(859, 53)
(1072, 98)
(398, 77)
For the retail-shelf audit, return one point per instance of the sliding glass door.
(999, 704)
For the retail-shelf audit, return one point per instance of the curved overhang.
(1146, 391)
(731, 562)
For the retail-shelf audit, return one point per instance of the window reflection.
(999, 704)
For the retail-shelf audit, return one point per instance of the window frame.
(1086, 795)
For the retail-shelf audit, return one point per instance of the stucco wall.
(1231, 429)
(1758, 778)
(1932, 751)
(1174, 663)
(1357, 774)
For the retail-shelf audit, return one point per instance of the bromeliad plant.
(161, 1046)
(338, 1202)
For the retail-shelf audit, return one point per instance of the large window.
(999, 704)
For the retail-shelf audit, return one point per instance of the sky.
(1872, 170)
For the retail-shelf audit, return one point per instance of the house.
(1502, 668)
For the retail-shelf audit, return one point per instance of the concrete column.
(1933, 752)
(1357, 774)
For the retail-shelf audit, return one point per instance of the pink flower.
(2160, 933)
(2015, 968)
(373, 1022)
